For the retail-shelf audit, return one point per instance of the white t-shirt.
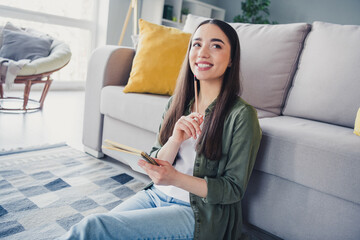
(184, 164)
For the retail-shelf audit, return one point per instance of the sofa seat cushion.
(264, 114)
(321, 156)
(326, 86)
(141, 110)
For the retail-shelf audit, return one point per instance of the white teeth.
(204, 65)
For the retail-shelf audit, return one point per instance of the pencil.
(196, 95)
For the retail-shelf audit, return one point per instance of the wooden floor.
(60, 120)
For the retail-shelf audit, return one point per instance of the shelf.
(152, 11)
(170, 23)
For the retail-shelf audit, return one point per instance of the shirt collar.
(207, 110)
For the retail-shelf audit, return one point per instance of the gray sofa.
(304, 80)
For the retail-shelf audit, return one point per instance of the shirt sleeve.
(245, 140)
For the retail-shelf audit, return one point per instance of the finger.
(183, 125)
(197, 116)
(190, 126)
(196, 124)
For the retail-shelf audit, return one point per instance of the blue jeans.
(149, 214)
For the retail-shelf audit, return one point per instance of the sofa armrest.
(108, 65)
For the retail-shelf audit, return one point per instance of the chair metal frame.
(29, 80)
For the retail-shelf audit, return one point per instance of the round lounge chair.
(37, 71)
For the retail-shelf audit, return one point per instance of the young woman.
(206, 150)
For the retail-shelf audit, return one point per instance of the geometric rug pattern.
(43, 193)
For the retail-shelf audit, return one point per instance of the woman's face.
(210, 53)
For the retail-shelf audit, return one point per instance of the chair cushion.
(321, 156)
(59, 56)
(8, 26)
(141, 110)
(22, 45)
(326, 86)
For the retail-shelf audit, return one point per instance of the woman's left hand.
(164, 174)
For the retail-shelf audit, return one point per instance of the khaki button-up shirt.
(219, 215)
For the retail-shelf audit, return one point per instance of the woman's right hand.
(187, 126)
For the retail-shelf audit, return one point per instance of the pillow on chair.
(21, 45)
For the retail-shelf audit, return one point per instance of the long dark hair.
(210, 140)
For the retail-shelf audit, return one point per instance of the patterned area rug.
(43, 193)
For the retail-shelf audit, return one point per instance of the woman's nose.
(203, 52)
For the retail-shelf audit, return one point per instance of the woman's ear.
(230, 63)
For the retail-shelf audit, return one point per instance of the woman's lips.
(202, 66)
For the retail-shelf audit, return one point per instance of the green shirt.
(219, 215)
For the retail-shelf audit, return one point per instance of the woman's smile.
(203, 66)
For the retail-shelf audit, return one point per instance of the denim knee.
(91, 227)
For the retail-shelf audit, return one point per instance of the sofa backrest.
(327, 84)
(269, 57)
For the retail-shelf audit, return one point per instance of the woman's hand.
(187, 126)
(165, 174)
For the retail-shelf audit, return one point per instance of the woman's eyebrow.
(217, 40)
(212, 40)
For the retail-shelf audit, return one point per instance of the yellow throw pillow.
(160, 53)
(357, 123)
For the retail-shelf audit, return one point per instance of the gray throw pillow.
(20, 45)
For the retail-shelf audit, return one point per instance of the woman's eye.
(196, 45)
(216, 46)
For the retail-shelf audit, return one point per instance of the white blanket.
(9, 70)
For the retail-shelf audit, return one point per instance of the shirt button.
(197, 164)
(193, 202)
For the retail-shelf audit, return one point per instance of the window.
(74, 22)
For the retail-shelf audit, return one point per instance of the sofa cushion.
(326, 86)
(269, 56)
(160, 54)
(191, 23)
(264, 114)
(141, 110)
(314, 154)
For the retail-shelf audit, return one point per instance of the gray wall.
(282, 11)
(117, 14)
(334, 11)
(290, 11)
